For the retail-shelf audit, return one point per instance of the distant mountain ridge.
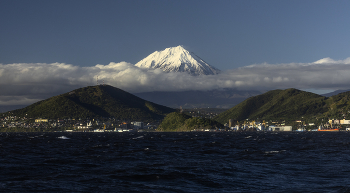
(223, 98)
(96, 101)
(334, 93)
(177, 59)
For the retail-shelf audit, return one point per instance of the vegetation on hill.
(181, 122)
(289, 105)
(106, 101)
(96, 101)
(338, 106)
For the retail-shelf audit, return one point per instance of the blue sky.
(226, 34)
(49, 47)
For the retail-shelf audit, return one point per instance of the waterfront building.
(138, 125)
(41, 120)
(280, 128)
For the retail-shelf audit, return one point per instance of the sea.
(175, 162)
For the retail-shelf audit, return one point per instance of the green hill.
(181, 122)
(96, 101)
(290, 104)
(339, 106)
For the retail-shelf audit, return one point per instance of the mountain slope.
(290, 104)
(95, 101)
(177, 59)
(339, 106)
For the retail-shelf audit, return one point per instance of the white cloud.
(25, 83)
(331, 61)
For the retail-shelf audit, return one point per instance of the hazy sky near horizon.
(50, 47)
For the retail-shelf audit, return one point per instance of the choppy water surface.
(175, 162)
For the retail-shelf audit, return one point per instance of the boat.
(328, 129)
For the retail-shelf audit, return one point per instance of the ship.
(328, 129)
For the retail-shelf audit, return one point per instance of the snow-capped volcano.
(177, 59)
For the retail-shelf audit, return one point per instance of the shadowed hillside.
(96, 101)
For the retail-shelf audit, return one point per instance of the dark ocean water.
(175, 162)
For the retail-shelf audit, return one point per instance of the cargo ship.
(328, 129)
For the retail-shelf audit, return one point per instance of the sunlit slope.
(289, 104)
(96, 101)
(339, 106)
(177, 59)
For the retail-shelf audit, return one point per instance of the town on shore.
(298, 125)
(13, 123)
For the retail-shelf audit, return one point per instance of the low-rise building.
(345, 122)
(334, 121)
(41, 120)
(280, 128)
(138, 125)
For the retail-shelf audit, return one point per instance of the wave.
(63, 137)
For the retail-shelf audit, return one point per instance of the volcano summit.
(177, 59)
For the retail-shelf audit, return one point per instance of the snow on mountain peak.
(177, 59)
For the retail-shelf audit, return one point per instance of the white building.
(138, 125)
(81, 126)
(280, 128)
(261, 127)
(345, 122)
